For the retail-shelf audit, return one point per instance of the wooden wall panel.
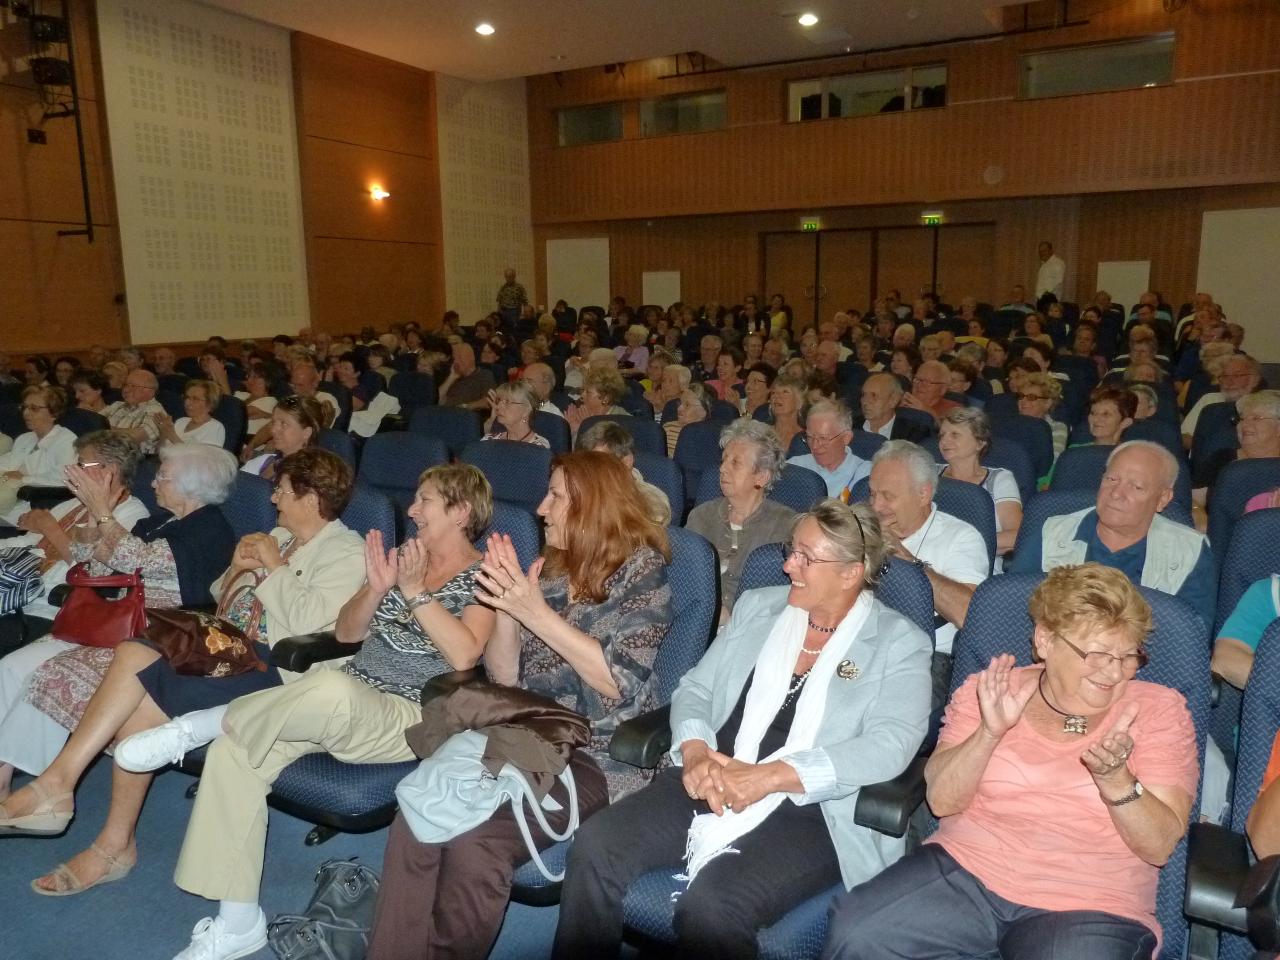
(361, 120)
(1218, 124)
(56, 293)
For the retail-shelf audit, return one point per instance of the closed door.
(966, 262)
(904, 261)
(789, 261)
(844, 271)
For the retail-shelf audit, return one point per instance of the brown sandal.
(44, 821)
(68, 884)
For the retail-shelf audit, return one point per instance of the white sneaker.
(158, 747)
(211, 941)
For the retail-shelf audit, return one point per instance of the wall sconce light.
(378, 193)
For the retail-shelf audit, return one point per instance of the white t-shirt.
(211, 432)
(1050, 276)
(257, 411)
(957, 551)
(41, 461)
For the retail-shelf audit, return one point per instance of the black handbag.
(338, 920)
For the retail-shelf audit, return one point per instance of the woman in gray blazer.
(812, 691)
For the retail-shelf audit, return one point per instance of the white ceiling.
(440, 34)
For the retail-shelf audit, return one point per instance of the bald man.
(928, 389)
(467, 386)
(135, 414)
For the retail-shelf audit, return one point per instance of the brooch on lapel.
(848, 670)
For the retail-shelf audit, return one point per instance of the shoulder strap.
(517, 807)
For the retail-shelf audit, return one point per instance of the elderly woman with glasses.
(813, 690)
(511, 407)
(1062, 788)
(1258, 432)
(744, 517)
(179, 551)
(39, 455)
(199, 399)
(1038, 396)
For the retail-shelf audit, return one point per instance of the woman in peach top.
(1062, 788)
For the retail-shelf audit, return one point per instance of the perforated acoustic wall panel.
(204, 150)
(484, 188)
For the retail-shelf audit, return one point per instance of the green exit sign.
(931, 219)
(809, 226)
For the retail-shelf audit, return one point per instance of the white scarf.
(711, 835)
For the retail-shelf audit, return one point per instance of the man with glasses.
(135, 413)
(1125, 530)
(828, 430)
(542, 381)
(1240, 375)
(929, 388)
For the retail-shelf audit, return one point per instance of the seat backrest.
(1157, 431)
(81, 422)
(1010, 456)
(1215, 430)
(371, 509)
(413, 390)
(1236, 484)
(231, 414)
(864, 443)
(392, 463)
(518, 472)
(521, 526)
(11, 423)
(1032, 434)
(143, 483)
(1081, 468)
(693, 576)
(172, 382)
(555, 428)
(1259, 721)
(248, 507)
(1001, 405)
(335, 441)
(172, 403)
(722, 412)
(697, 449)
(997, 622)
(670, 410)
(455, 427)
(1251, 555)
(646, 433)
(796, 487)
(663, 473)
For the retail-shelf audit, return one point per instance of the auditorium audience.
(40, 455)
(1062, 788)
(1111, 412)
(928, 389)
(1038, 396)
(881, 395)
(88, 387)
(1126, 530)
(743, 517)
(135, 412)
(609, 436)
(295, 423)
(768, 765)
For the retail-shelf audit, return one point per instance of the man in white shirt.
(1052, 272)
(829, 428)
(542, 380)
(1240, 375)
(951, 552)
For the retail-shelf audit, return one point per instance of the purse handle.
(78, 576)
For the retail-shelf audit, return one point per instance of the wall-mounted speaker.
(50, 71)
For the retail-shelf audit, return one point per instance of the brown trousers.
(447, 900)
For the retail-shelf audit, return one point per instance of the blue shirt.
(1253, 614)
(1199, 589)
(850, 471)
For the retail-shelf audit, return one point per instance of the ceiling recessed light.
(485, 29)
(808, 19)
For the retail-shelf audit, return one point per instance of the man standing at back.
(511, 298)
(1052, 273)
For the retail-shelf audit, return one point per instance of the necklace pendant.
(1075, 724)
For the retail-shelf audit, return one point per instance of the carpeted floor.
(146, 917)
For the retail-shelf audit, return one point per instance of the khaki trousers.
(326, 711)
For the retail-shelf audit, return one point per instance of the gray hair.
(610, 434)
(1144, 390)
(702, 394)
(769, 455)
(979, 425)
(853, 530)
(200, 471)
(921, 466)
(116, 448)
(895, 385)
(1264, 401)
(832, 408)
(683, 374)
(1167, 459)
(520, 391)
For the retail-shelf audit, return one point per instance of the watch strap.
(1129, 797)
(421, 600)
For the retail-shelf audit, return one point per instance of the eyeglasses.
(1031, 396)
(936, 383)
(90, 463)
(1130, 663)
(789, 550)
(817, 441)
(33, 407)
(1251, 418)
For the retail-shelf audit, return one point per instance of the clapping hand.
(258, 550)
(1108, 759)
(575, 415)
(381, 565)
(412, 573)
(504, 586)
(1000, 705)
(36, 521)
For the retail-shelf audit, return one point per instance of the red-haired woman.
(581, 626)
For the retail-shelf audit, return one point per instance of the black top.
(202, 543)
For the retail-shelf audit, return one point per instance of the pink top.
(1262, 501)
(719, 387)
(1037, 832)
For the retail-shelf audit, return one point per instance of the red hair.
(607, 523)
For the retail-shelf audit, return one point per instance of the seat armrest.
(41, 498)
(641, 741)
(301, 652)
(887, 807)
(1217, 863)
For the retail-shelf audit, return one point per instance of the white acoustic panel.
(659, 286)
(1239, 250)
(1125, 280)
(204, 154)
(482, 132)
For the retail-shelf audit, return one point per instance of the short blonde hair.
(853, 530)
(1089, 595)
(459, 483)
(519, 391)
(1052, 386)
(606, 381)
(212, 392)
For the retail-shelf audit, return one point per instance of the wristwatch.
(105, 519)
(1129, 797)
(421, 600)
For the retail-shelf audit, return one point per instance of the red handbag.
(90, 619)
